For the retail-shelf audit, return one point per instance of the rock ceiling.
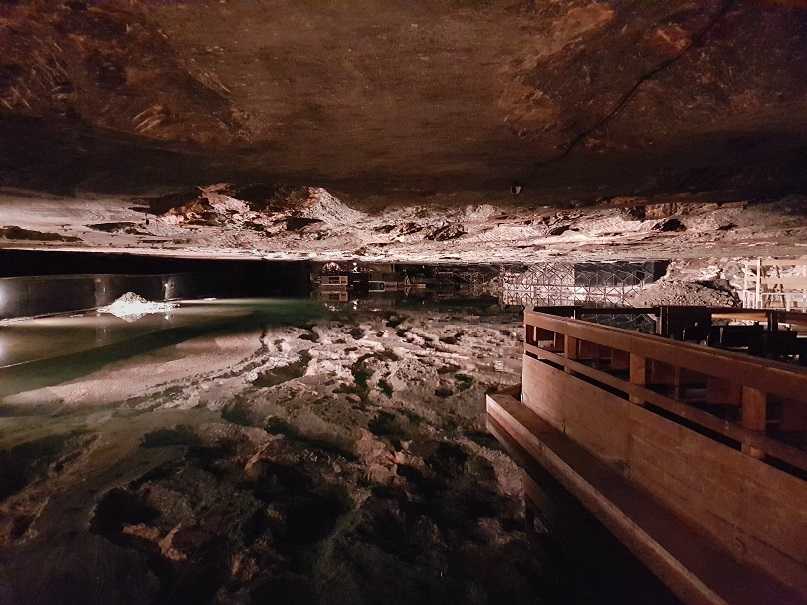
(571, 98)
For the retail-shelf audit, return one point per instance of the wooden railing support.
(638, 374)
(570, 346)
(754, 416)
(679, 376)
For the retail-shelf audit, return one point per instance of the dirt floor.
(339, 461)
(224, 221)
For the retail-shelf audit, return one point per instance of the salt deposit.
(131, 307)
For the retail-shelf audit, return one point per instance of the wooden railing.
(735, 398)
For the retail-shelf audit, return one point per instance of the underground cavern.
(375, 301)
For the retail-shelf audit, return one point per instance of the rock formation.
(569, 98)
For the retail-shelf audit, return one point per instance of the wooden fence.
(751, 403)
(691, 455)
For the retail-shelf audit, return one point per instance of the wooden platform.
(631, 425)
(685, 560)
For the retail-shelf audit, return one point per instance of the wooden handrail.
(777, 449)
(772, 377)
(752, 378)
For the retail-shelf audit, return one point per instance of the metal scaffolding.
(595, 284)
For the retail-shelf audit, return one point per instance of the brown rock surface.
(572, 98)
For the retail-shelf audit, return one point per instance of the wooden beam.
(639, 371)
(558, 341)
(754, 412)
(754, 416)
(571, 348)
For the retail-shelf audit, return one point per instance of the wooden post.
(558, 342)
(677, 390)
(754, 416)
(638, 374)
(570, 345)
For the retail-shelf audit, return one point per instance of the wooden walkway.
(679, 449)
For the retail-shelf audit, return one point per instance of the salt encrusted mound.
(669, 292)
(131, 306)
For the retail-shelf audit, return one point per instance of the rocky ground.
(225, 221)
(342, 460)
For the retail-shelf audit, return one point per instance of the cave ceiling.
(570, 98)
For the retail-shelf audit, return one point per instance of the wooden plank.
(693, 567)
(542, 394)
(766, 375)
(591, 493)
(754, 412)
(755, 510)
(777, 449)
(712, 485)
(529, 334)
(754, 416)
(639, 373)
(558, 341)
(571, 347)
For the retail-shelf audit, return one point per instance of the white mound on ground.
(132, 306)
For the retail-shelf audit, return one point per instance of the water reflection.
(48, 337)
(542, 284)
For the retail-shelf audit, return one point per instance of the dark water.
(38, 352)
